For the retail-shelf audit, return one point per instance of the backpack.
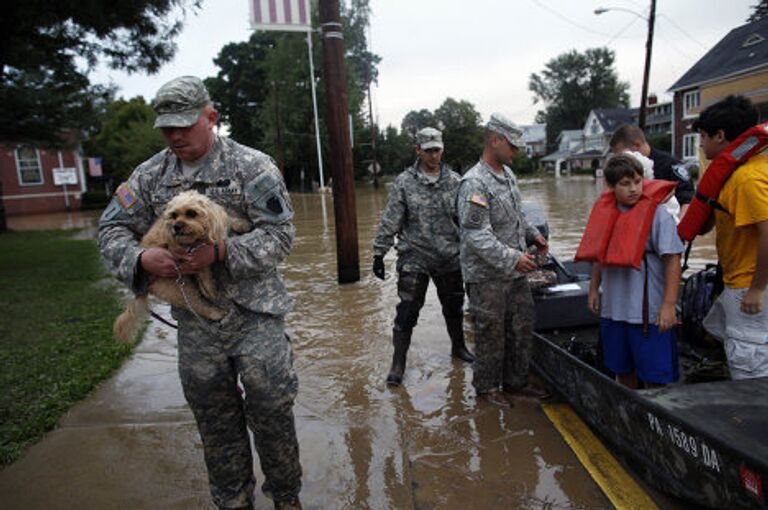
(699, 292)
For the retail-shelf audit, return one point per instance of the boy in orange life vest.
(739, 317)
(629, 351)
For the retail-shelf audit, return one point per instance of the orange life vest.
(614, 238)
(746, 145)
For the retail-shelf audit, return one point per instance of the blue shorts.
(626, 350)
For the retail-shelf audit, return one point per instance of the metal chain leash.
(203, 322)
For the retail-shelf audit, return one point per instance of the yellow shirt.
(745, 197)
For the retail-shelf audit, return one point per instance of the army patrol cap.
(503, 126)
(179, 102)
(429, 138)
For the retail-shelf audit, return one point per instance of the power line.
(626, 27)
(689, 36)
(570, 21)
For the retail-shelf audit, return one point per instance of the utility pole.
(647, 72)
(373, 131)
(348, 259)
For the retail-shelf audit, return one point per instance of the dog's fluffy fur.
(189, 220)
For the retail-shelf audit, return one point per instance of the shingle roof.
(730, 56)
(611, 118)
(533, 133)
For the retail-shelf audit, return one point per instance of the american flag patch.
(478, 200)
(126, 196)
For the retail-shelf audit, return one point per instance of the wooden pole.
(647, 71)
(348, 260)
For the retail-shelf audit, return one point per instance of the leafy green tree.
(462, 133)
(416, 120)
(759, 11)
(126, 139)
(574, 83)
(48, 48)
(263, 92)
(461, 127)
(395, 150)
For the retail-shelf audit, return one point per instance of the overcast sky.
(483, 51)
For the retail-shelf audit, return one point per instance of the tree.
(574, 83)
(759, 11)
(263, 92)
(395, 150)
(48, 48)
(127, 137)
(416, 120)
(462, 133)
(460, 124)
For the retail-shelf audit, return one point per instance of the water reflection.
(427, 444)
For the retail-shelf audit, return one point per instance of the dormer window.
(752, 40)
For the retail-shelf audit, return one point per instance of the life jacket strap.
(711, 202)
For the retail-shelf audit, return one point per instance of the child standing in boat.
(635, 251)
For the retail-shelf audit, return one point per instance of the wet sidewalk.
(133, 444)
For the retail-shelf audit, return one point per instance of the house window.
(28, 165)
(691, 146)
(691, 100)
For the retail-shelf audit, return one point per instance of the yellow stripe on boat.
(620, 488)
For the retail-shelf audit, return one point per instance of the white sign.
(63, 176)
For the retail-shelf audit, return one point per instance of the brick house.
(32, 181)
(738, 64)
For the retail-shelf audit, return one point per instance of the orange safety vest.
(746, 145)
(614, 238)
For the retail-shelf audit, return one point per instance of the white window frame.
(691, 99)
(28, 166)
(691, 146)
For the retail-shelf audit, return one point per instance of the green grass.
(56, 343)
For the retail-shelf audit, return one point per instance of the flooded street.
(425, 445)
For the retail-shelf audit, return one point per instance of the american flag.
(292, 15)
(94, 167)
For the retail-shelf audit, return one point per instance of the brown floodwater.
(428, 444)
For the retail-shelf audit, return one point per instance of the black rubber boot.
(459, 349)
(401, 340)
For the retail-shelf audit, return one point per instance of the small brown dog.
(189, 220)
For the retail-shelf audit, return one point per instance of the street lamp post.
(648, 47)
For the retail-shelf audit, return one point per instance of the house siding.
(46, 197)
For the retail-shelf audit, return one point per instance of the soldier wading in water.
(421, 212)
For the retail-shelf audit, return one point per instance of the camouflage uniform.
(494, 235)
(250, 341)
(422, 214)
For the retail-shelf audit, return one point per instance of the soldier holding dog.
(249, 343)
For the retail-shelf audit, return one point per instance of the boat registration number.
(694, 448)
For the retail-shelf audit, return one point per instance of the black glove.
(378, 266)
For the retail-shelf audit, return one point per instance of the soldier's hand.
(195, 260)
(159, 262)
(541, 244)
(526, 263)
(378, 266)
